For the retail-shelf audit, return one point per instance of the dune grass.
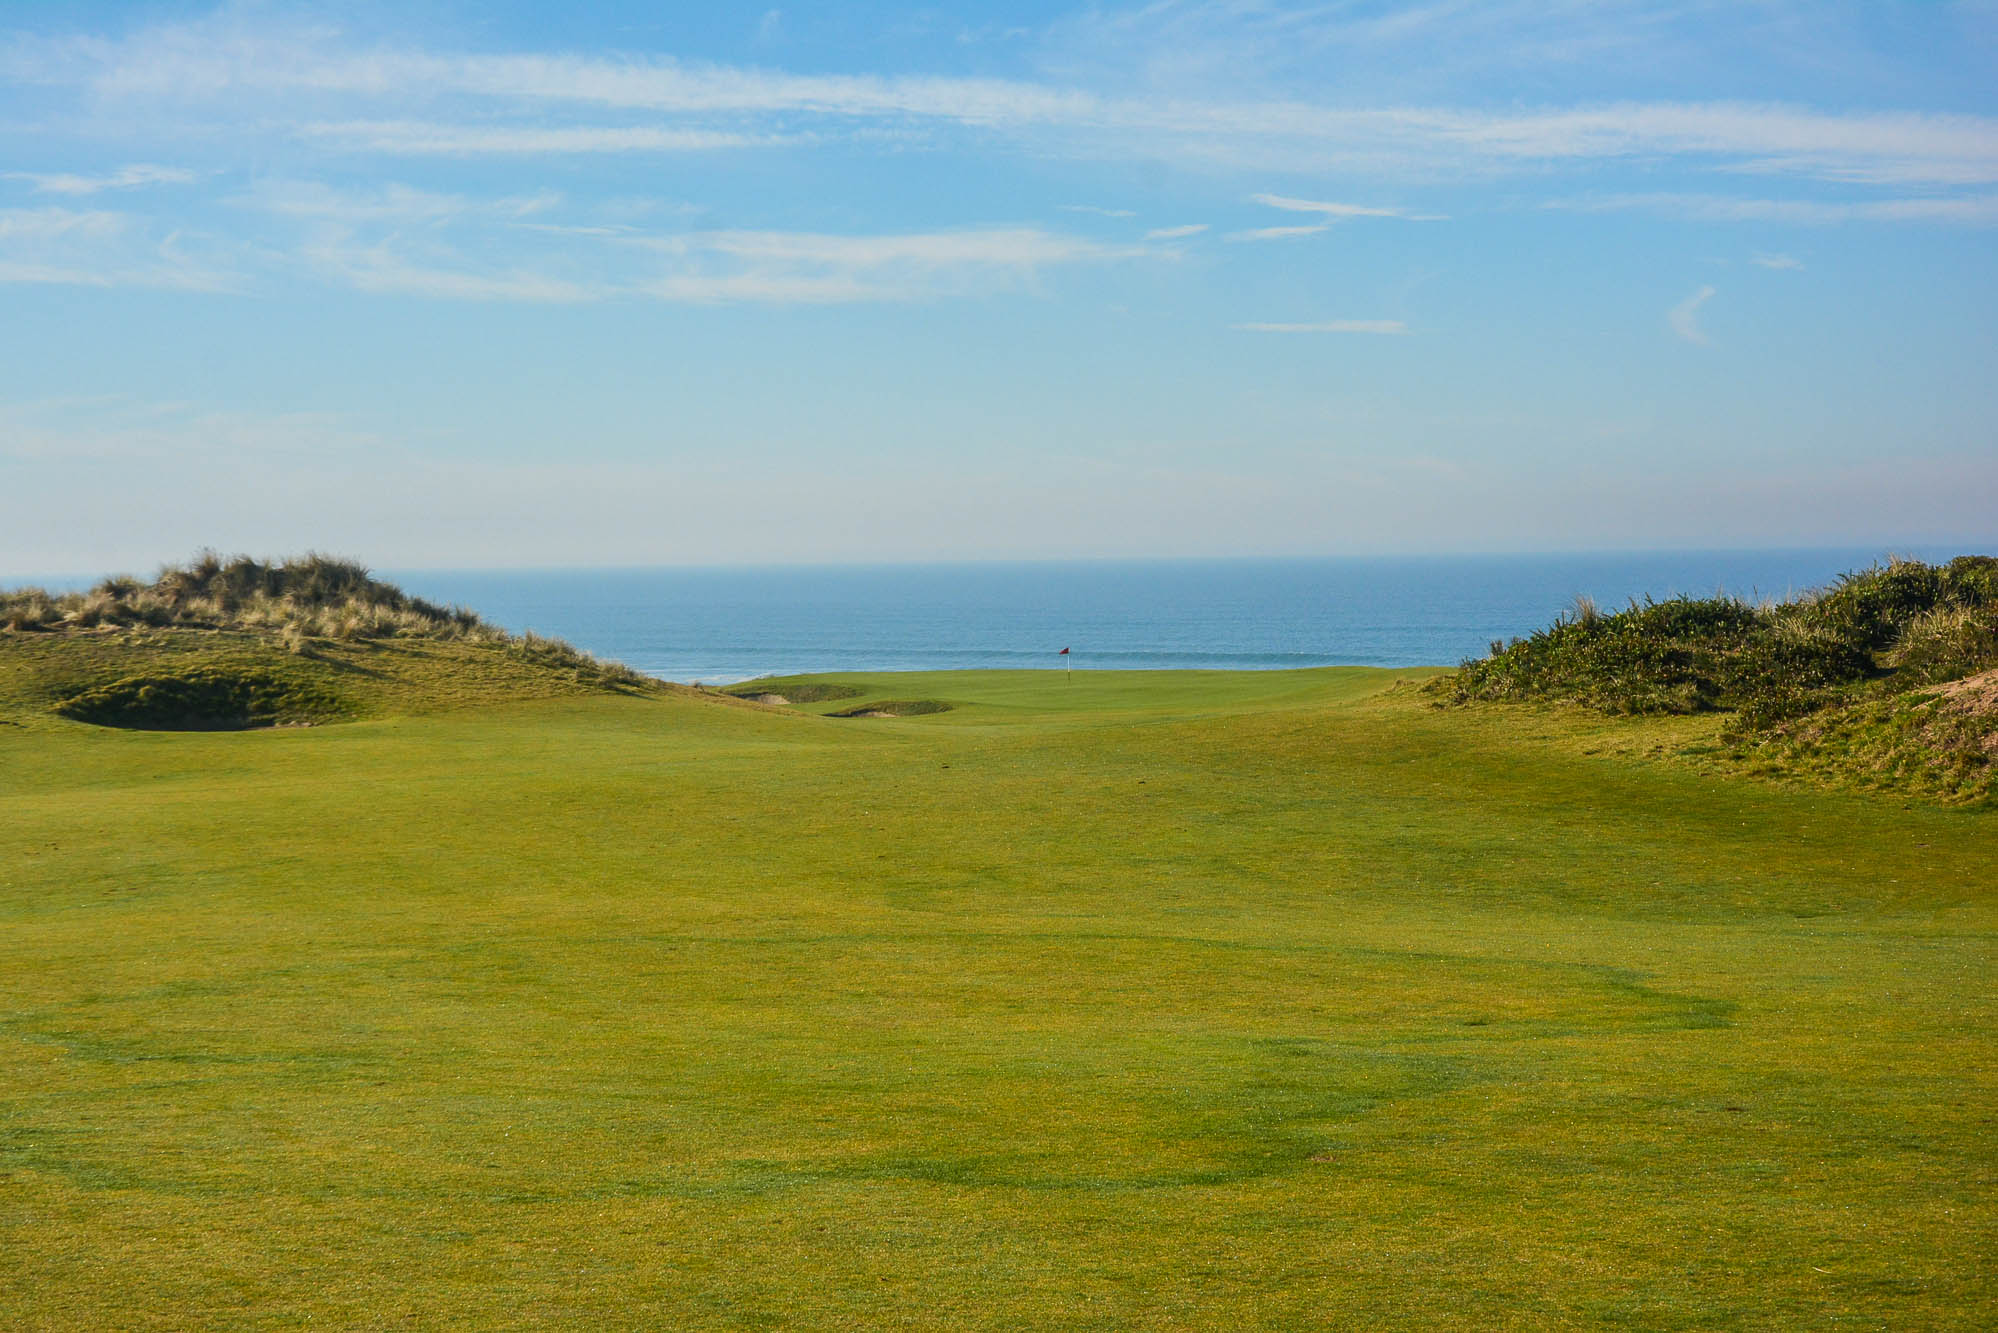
(1141, 1000)
(1838, 684)
(1893, 627)
(304, 606)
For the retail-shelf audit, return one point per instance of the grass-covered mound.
(1835, 682)
(206, 699)
(1940, 741)
(223, 644)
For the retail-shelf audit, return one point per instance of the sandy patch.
(1977, 694)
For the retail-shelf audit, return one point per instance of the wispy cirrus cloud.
(1339, 211)
(46, 224)
(389, 237)
(705, 267)
(1969, 210)
(200, 68)
(389, 202)
(383, 268)
(423, 138)
(124, 178)
(806, 267)
(1329, 213)
(1408, 52)
(1685, 316)
(1765, 259)
(1279, 233)
(98, 248)
(1018, 248)
(1392, 327)
(1176, 233)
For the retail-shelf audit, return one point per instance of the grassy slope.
(367, 677)
(1258, 1001)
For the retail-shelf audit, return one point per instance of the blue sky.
(442, 284)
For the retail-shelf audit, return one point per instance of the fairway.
(1142, 1000)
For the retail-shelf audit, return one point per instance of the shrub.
(1871, 606)
(1658, 657)
(1971, 581)
(1948, 643)
(1768, 664)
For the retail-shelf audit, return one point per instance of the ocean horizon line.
(725, 624)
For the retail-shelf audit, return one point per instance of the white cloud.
(1022, 248)
(96, 248)
(608, 231)
(1685, 316)
(1372, 48)
(698, 267)
(45, 224)
(1972, 210)
(1175, 233)
(1331, 210)
(392, 238)
(384, 203)
(1776, 261)
(1099, 212)
(1386, 326)
(421, 138)
(124, 178)
(205, 64)
(816, 268)
(765, 289)
(1279, 233)
(381, 269)
(1898, 146)
(1330, 214)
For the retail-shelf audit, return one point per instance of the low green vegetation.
(1137, 1000)
(1872, 680)
(205, 699)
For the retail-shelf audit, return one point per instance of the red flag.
(1062, 653)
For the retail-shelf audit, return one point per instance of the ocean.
(723, 625)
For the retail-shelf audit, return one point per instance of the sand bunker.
(894, 708)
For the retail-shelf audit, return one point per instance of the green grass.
(43, 676)
(1136, 1000)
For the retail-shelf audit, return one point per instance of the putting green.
(1131, 1000)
